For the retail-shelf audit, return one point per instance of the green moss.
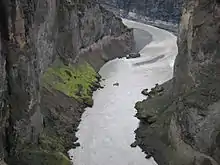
(37, 157)
(51, 143)
(48, 151)
(75, 82)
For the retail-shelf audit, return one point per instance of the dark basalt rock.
(134, 144)
(156, 91)
(148, 156)
(145, 92)
(116, 84)
(133, 55)
(76, 144)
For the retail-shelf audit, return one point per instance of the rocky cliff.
(165, 10)
(50, 52)
(181, 126)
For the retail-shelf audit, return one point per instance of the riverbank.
(149, 111)
(68, 88)
(97, 61)
(107, 129)
(151, 134)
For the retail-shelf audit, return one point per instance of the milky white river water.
(107, 129)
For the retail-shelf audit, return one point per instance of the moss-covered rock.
(77, 82)
(38, 157)
(51, 143)
(88, 101)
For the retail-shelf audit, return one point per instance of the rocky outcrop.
(186, 117)
(44, 46)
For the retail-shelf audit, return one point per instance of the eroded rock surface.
(186, 130)
(166, 10)
(44, 45)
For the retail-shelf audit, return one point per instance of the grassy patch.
(36, 157)
(51, 143)
(76, 82)
(48, 151)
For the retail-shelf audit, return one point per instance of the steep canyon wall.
(185, 129)
(45, 48)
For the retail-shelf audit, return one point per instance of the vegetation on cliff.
(42, 158)
(74, 81)
(39, 121)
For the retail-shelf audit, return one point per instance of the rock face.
(187, 114)
(165, 10)
(46, 41)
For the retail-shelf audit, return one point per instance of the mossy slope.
(48, 142)
(77, 82)
(48, 151)
(35, 157)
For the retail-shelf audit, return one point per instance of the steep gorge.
(181, 126)
(45, 45)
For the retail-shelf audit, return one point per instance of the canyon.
(51, 53)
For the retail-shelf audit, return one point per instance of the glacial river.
(107, 129)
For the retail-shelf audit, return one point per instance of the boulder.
(133, 55)
(116, 84)
(134, 144)
(148, 156)
(76, 144)
(145, 92)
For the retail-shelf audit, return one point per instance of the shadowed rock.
(186, 131)
(133, 55)
(134, 144)
(116, 84)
